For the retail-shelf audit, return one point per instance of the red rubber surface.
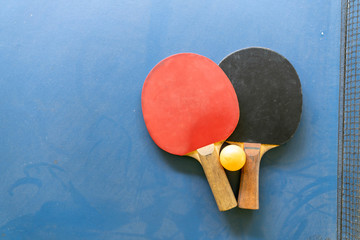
(188, 102)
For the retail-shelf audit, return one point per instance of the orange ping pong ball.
(232, 157)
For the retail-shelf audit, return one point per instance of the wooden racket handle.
(249, 183)
(216, 176)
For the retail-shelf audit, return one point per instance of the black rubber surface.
(269, 94)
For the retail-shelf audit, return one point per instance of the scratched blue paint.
(76, 159)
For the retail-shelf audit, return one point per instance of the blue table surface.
(76, 160)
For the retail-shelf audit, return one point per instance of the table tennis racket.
(270, 98)
(190, 107)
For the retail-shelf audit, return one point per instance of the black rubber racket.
(270, 99)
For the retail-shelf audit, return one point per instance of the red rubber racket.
(190, 107)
